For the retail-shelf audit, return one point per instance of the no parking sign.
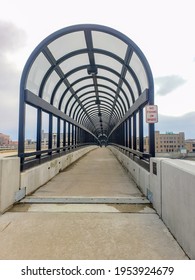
(151, 113)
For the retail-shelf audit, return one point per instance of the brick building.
(190, 145)
(167, 142)
(4, 139)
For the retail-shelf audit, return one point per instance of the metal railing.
(142, 158)
(33, 158)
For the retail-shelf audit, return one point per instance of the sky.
(163, 30)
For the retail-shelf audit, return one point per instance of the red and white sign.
(151, 113)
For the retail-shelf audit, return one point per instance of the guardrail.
(143, 159)
(31, 159)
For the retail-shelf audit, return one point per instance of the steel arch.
(99, 57)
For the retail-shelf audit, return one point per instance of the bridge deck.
(98, 174)
(45, 227)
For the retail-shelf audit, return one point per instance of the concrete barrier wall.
(33, 178)
(9, 181)
(178, 202)
(140, 176)
(173, 196)
(170, 186)
(155, 185)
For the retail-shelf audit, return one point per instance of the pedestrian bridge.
(89, 189)
(97, 203)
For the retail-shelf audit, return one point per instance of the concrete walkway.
(97, 174)
(87, 231)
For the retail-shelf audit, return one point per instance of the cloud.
(167, 84)
(12, 40)
(9, 96)
(185, 123)
(12, 37)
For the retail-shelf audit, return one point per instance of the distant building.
(45, 139)
(190, 145)
(167, 142)
(4, 139)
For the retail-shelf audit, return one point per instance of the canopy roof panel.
(92, 73)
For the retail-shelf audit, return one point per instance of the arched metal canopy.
(94, 75)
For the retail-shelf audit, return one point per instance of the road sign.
(151, 113)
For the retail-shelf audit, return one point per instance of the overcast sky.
(163, 29)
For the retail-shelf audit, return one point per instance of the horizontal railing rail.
(33, 158)
(142, 158)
